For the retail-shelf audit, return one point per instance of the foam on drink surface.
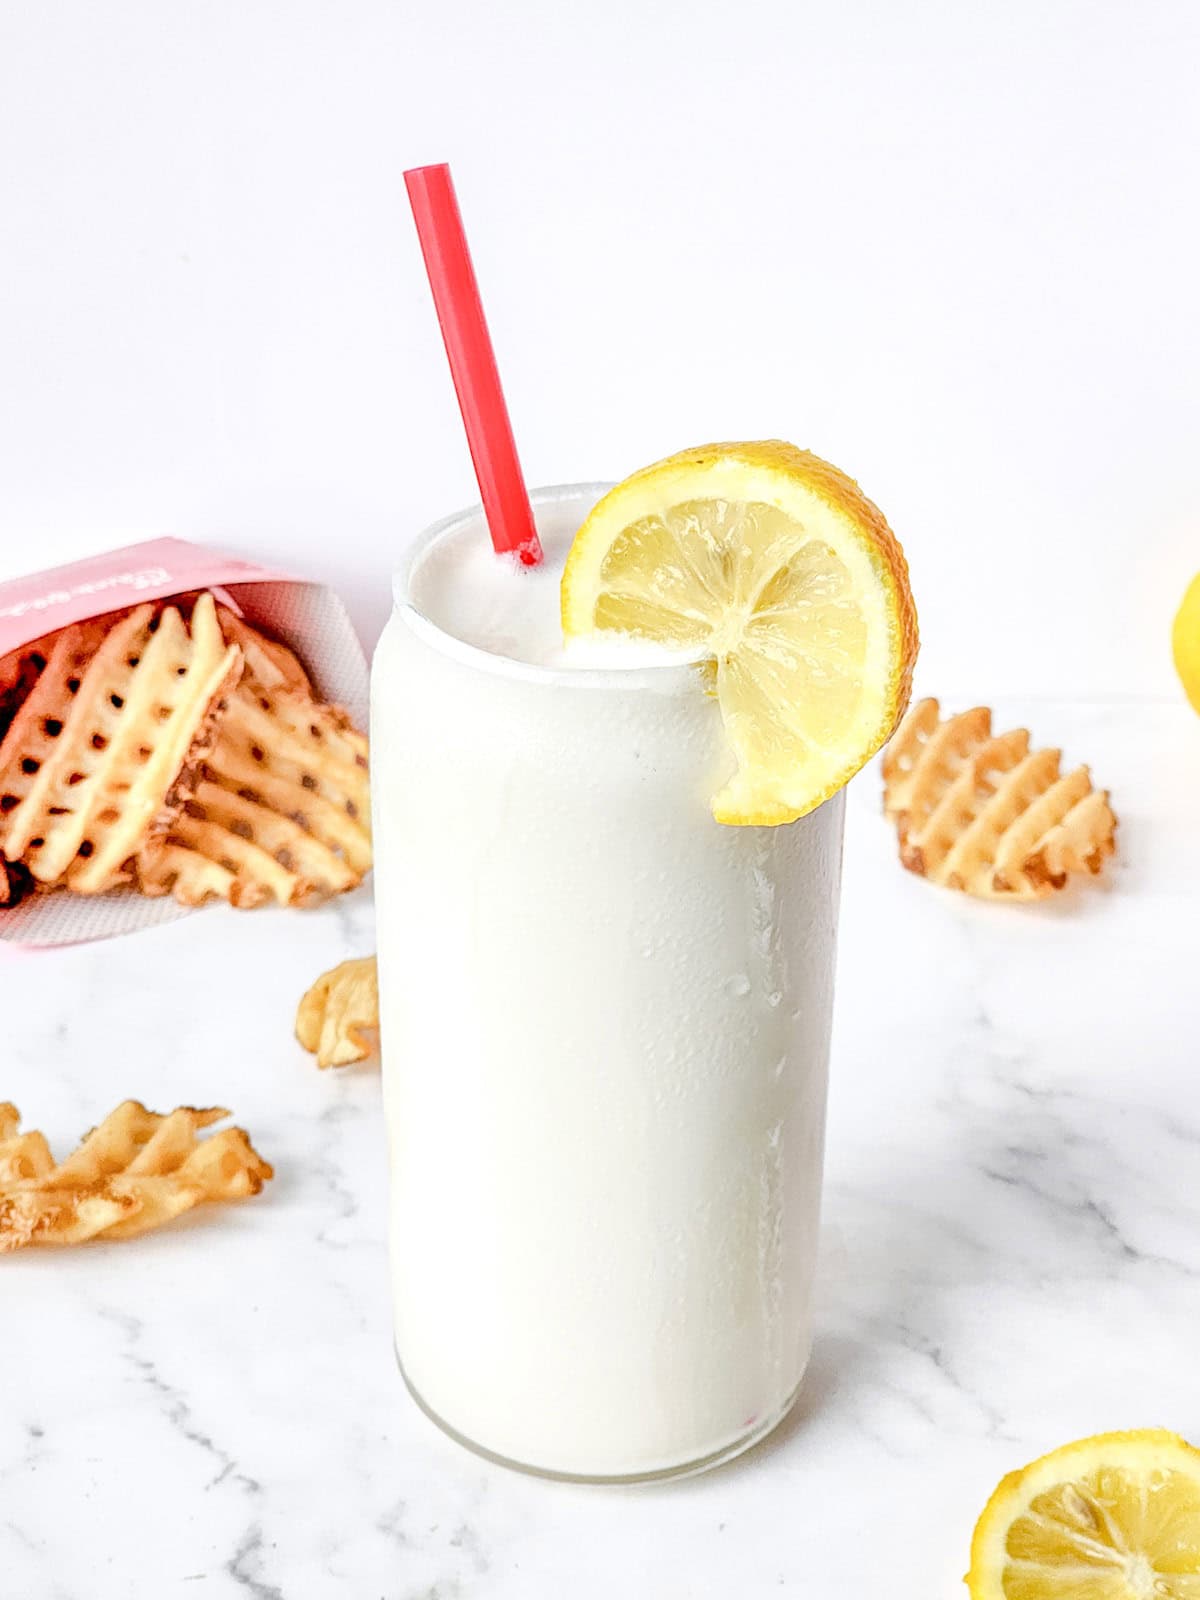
(493, 602)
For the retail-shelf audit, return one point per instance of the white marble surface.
(1011, 1257)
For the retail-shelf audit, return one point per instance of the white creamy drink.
(605, 1031)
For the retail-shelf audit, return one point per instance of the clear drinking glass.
(605, 1024)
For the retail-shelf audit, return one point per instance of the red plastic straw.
(472, 362)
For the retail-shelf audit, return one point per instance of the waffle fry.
(135, 1172)
(985, 814)
(338, 1011)
(280, 807)
(19, 671)
(268, 663)
(103, 729)
(16, 881)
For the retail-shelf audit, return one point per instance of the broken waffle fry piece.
(280, 807)
(985, 814)
(338, 1011)
(134, 1172)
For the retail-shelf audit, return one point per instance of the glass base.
(684, 1469)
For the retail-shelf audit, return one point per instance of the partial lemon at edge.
(1185, 641)
(774, 566)
(1113, 1517)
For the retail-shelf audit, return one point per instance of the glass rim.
(670, 677)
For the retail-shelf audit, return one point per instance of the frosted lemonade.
(608, 829)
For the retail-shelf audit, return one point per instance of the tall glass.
(605, 1041)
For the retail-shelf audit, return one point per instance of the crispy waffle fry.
(19, 671)
(983, 813)
(16, 881)
(340, 1008)
(268, 663)
(280, 807)
(101, 735)
(134, 1172)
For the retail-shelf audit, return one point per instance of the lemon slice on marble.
(774, 567)
(1114, 1517)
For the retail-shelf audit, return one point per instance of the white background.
(951, 246)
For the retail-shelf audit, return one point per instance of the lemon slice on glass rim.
(774, 568)
(1113, 1517)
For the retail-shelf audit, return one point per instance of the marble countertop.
(1010, 1257)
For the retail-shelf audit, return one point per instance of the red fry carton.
(307, 616)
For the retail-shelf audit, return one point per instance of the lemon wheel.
(774, 569)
